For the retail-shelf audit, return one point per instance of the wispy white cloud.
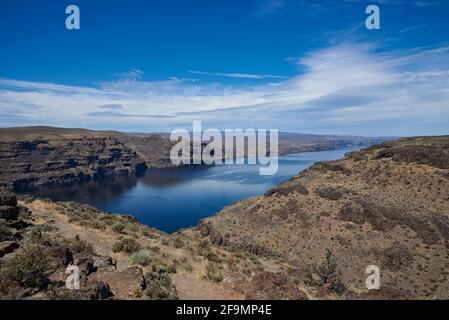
(131, 75)
(237, 75)
(268, 7)
(348, 88)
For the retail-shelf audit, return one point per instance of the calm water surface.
(175, 198)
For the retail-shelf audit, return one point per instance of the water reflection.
(174, 198)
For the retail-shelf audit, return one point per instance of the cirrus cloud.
(349, 88)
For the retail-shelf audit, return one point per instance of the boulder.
(8, 247)
(329, 193)
(7, 199)
(97, 290)
(85, 262)
(9, 212)
(102, 263)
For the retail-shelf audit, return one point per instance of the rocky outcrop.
(53, 161)
(9, 224)
(8, 247)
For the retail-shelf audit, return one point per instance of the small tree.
(328, 273)
(327, 269)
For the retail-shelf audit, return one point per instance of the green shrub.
(30, 267)
(212, 273)
(160, 286)
(149, 233)
(133, 227)
(209, 255)
(178, 242)
(142, 257)
(172, 268)
(76, 245)
(128, 245)
(165, 241)
(118, 227)
(328, 273)
(327, 270)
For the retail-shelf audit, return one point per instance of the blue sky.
(293, 65)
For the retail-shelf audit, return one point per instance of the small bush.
(327, 270)
(142, 257)
(212, 273)
(165, 241)
(128, 245)
(327, 273)
(209, 255)
(178, 242)
(118, 227)
(160, 286)
(76, 245)
(149, 233)
(30, 267)
(172, 268)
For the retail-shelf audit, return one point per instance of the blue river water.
(175, 198)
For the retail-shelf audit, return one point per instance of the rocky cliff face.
(387, 205)
(55, 160)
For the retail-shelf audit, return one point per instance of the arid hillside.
(121, 259)
(387, 205)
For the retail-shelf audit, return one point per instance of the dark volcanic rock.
(430, 155)
(9, 212)
(288, 187)
(7, 199)
(97, 290)
(8, 247)
(64, 161)
(329, 193)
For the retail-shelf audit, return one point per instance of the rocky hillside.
(121, 259)
(387, 205)
(45, 156)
